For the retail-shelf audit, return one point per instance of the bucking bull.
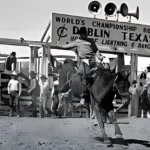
(102, 91)
(70, 82)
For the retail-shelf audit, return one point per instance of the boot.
(34, 114)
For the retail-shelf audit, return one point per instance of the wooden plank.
(4, 55)
(48, 38)
(17, 42)
(55, 56)
(133, 76)
(31, 59)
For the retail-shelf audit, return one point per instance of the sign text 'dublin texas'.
(126, 37)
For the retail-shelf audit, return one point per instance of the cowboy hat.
(14, 73)
(82, 30)
(43, 76)
(13, 53)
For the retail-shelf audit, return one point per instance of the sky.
(29, 18)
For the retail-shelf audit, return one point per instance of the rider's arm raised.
(67, 46)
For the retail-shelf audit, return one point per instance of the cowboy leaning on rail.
(86, 49)
(11, 61)
(34, 90)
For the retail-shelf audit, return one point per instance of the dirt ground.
(70, 134)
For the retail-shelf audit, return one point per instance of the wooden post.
(38, 67)
(134, 104)
(43, 65)
(31, 60)
(120, 62)
(50, 78)
(19, 66)
(35, 59)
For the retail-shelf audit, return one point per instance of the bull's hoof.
(107, 141)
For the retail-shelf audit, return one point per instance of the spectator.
(14, 89)
(11, 61)
(45, 91)
(132, 89)
(34, 90)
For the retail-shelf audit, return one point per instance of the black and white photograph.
(74, 75)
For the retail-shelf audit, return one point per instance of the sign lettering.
(125, 37)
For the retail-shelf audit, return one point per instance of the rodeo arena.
(87, 100)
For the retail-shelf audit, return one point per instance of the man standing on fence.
(11, 61)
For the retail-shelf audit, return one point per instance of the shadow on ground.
(126, 141)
